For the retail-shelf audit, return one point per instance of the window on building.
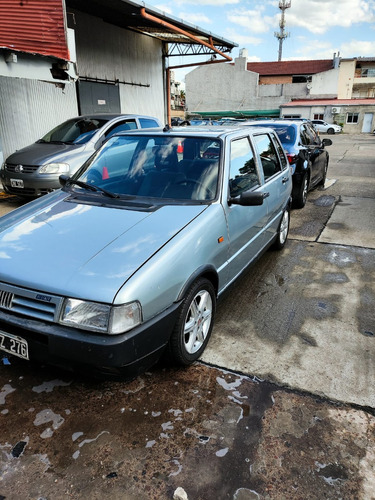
(290, 117)
(352, 117)
(301, 78)
(368, 72)
(319, 116)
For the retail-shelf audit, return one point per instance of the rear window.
(286, 133)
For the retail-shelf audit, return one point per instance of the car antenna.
(167, 128)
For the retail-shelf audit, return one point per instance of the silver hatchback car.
(34, 170)
(128, 259)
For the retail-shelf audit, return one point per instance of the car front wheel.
(194, 324)
(330, 131)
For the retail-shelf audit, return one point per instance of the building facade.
(339, 90)
(76, 57)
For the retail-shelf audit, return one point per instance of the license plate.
(14, 345)
(16, 183)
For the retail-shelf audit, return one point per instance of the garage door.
(98, 98)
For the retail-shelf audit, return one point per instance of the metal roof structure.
(36, 27)
(179, 38)
(39, 27)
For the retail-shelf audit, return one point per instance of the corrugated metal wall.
(30, 108)
(35, 26)
(107, 52)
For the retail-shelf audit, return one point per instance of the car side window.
(243, 174)
(313, 135)
(268, 156)
(148, 123)
(121, 126)
(283, 160)
(305, 139)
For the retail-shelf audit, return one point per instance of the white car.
(329, 128)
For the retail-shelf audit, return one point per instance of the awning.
(179, 37)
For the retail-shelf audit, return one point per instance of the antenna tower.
(282, 34)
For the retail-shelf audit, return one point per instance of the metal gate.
(98, 98)
(367, 122)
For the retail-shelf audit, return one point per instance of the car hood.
(85, 251)
(41, 153)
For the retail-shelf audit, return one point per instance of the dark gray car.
(35, 169)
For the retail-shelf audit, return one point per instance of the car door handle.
(284, 180)
(266, 195)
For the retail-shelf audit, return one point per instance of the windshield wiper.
(91, 187)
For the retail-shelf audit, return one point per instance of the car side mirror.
(63, 179)
(327, 142)
(247, 199)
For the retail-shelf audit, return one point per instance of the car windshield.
(167, 168)
(75, 131)
(286, 133)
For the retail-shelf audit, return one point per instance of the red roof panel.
(34, 26)
(330, 102)
(279, 68)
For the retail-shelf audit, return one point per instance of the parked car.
(128, 259)
(329, 128)
(34, 170)
(306, 153)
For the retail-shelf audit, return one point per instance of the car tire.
(283, 231)
(323, 181)
(194, 324)
(300, 193)
(330, 131)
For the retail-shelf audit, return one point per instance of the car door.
(245, 223)
(277, 183)
(316, 154)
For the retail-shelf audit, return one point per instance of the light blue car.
(127, 260)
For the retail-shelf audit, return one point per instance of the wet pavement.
(214, 433)
(281, 406)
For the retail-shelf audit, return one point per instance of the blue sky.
(318, 28)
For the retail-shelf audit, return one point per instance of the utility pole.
(282, 34)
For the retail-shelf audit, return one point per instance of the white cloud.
(242, 39)
(318, 16)
(253, 20)
(195, 18)
(164, 8)
(216, 3)
(356, 48)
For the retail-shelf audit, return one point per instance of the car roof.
(212, 131)
(270, 123)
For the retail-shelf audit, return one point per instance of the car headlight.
(101, 317)
(2, 167)
(54, 168)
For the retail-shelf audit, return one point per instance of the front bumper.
(70, 348)
(33, 186)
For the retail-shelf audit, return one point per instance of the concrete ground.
(280, 407)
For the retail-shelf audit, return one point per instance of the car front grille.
(32, 304)
(6, 299)
(26, 169)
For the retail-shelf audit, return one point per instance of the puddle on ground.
(325, 201)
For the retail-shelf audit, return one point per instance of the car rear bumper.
(75, 349)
